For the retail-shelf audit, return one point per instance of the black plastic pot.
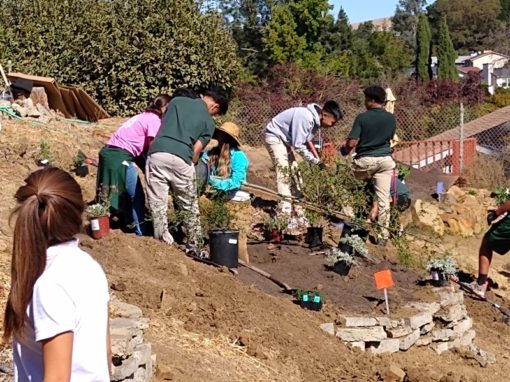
(311, 304)
(82, 171)
(439, 279)
(342, 268)
(224, 247)
(313, 236)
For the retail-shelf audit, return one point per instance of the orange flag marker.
(384, 280)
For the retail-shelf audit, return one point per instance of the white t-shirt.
(70, 295)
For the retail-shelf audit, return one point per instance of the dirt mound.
(207, 324)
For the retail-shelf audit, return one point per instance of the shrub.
(123, 52)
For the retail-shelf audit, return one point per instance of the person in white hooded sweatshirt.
(294, 129)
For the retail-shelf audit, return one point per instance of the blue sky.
(363, 10)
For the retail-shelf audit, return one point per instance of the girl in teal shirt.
(227, 165)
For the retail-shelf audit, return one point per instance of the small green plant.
(405, 255)
(79, 160)
(216, 215)
(311, 294)
(335, 255)
(314, 218)
(97, 210)
(404, 172)
(501, 195)
(277, 222)
(357, 244)
(446, 265)
(45, 152)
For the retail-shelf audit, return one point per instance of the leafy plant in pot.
(441, 270)
(80, 167)
(274, 227)
(340, 261)
(307, 299)
(99, 217)
(314, 231)
(223, 237)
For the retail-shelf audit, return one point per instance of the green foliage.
(405, 20)
(122, 52)
(98, 210)
(501, 194)
(277, 222)
(404, 171)
(472, 23)
(337, 36)
(45, 151)
(405, 256)
(504, 14)
(447, 265)
(446, 54)
(335, 255)
(216, 214)
(314, 218)
(423, 49)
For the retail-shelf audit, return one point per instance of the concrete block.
(449, 298)
(142, 353)
(125, 369)
(441, 347)
(409, 340)
(374, 333)
(122, 309)
(462, 326)
(431, 307)
(424, 341)
(388, 322)
(442, 335)
(355, 322)
(394, 374)
(418, 320)
(399, 331)
(427, 328)
(124, 346)
(128, 325)
(358, 345)
(465, 340)
(390, 345)
(328, 328)
(452, 313)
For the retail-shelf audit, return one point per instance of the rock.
(358, 345)
(375, 333)
(353, 322)
(424, 341)
(126, 368)
(427, 328)
(460, 226)
(463, 326)
(124, 346)
(452, 313)
(455, 192)
(410, 340)
(183, 269)
(465, 340)
(390, 345)
(328, 328)
(122, 309)
(142, 353)
(388, 322)
(399, 331)
(394, 374)
(427, 215)
(447, 299)
(431, 307)
(418, 320)
(441, 347)
(484, 358)
(442, 335)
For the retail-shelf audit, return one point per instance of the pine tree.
(338, 35)
(446, 54)
(423, 49)
(405, 20)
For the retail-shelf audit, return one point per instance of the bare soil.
(207, 324)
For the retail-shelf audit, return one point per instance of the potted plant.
(223, 238)
(441, 270)
(340, 261)
(314, 231)
(80, 167)
(99, 217)
(311, 300)
(354, 245)
(274, 228)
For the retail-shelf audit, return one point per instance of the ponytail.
(49, 212)
(159, 102)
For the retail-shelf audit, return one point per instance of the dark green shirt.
(374, 129)
(186, 121)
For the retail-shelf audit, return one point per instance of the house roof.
(487, 53)
(502, 72)
(462, 59)
(468, 69)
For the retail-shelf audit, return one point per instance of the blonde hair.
(219, 158)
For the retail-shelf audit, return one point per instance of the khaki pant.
(164, 172)
(381, 170)
(283, 159)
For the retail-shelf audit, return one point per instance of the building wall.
(497, 60)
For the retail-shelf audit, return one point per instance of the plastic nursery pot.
(224, 247)
(313, 236)
(311, 302)
(82, 171)
(439, 279)
(274, 236)
(100, 227)
(342, 268)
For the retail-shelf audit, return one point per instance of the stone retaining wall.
(443, 325)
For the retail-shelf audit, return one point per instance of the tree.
(504, 14)
(405, 20)
(338, 34)
(471, 22)
(423, 49)
(446, 54)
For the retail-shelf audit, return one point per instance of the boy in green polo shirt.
(370, 136)
(186, 129)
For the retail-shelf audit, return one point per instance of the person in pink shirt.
(117, 177)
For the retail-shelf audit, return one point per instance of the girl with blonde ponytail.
(57, 310)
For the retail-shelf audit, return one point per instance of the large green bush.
(123, 52)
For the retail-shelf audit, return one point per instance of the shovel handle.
(7, 83)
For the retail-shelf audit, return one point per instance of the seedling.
(98, 210)
(46, 156)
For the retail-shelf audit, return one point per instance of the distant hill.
(379, 24)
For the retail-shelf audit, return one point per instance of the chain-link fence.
(448, 137)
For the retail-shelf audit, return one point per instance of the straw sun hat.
(232, 130)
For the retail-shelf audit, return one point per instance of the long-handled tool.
(466, 287)
(281, 284)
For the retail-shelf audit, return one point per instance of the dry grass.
(486, 172)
